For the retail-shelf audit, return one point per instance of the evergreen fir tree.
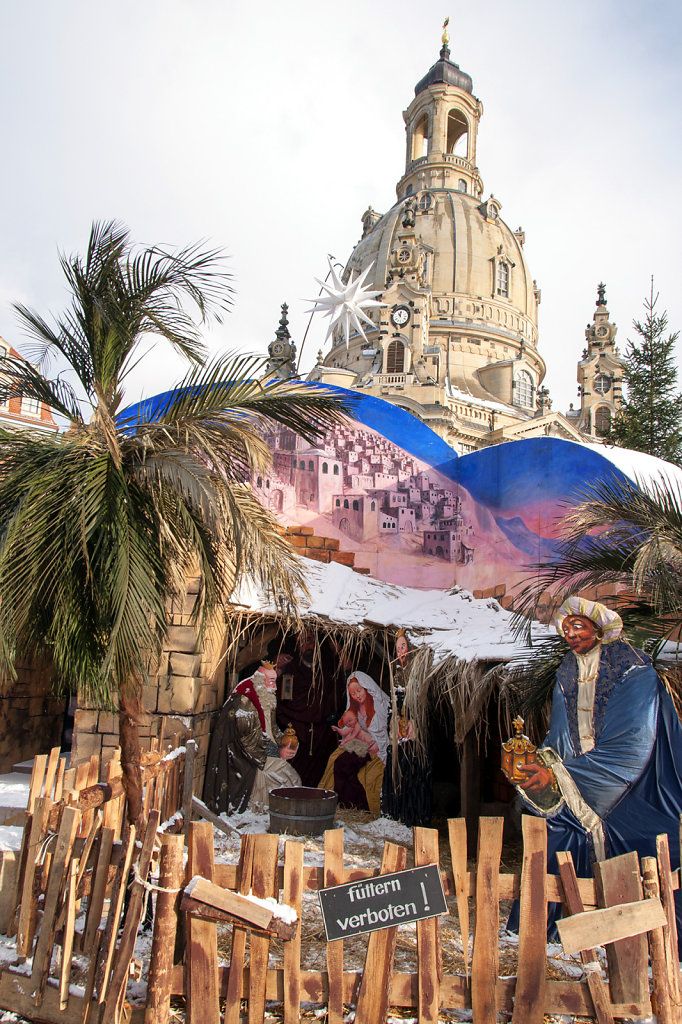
(650, 419)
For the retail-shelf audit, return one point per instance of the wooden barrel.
(302, 810)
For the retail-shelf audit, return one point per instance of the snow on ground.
(14, 789)
(455, 622)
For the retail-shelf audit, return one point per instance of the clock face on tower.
(601, 331)
(404, 255)
(400, 316)
(277, 348)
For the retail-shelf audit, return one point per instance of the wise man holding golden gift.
(608, 776)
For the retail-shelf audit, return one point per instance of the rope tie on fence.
(149, 886)
(592, 968)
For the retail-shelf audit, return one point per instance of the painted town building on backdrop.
(457, 342)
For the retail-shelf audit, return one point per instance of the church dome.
(447, 72)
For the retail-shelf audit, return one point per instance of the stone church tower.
(457, 341)
(600, 373)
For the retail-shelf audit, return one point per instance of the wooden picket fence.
(528, 996)
(77, 858)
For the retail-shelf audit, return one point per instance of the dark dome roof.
(445, 71)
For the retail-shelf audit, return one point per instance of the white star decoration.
(345, 303)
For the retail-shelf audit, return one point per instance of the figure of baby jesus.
(352, 736)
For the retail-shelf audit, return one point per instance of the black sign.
(382, 902)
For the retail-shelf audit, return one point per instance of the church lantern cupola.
(442, 125)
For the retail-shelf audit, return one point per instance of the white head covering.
(608, 622)
(378, 727)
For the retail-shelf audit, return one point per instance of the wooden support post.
(668, 900)
(470, 788)
(165, 925)
(235, 977)
(457, 833)
(573, 901)
(98, 888)
(293, 893)
(486, 958)
(108, 943)
(375, 988)
(264, 885)
(35, 788)
(529, 1000)
(333, 875)
(202, 937)
(659, 969)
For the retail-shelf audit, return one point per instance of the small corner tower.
(282, 351)
(600, 373)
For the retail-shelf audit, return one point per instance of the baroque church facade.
(456, 341)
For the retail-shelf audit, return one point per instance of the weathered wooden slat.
(248, 912)
(37, 782)
(595, 983)
(662, 1002)
(264, 885)
(69, 930)
(375, 989)
(485, 960)
(54, 896)
(98, 890)
(188, 784)
(529, 1000)
(202, 937)
(610, 924)
(509, 885)
(204, 912)
(165, 925)
(28, 902)
(51, 771)
(333, 875)
(133, 916)
(457, 834)
(199, 808)
(293, 895)
(428, 934)
(670, 931)
(108, 941)
(619, 880)
(234, 988)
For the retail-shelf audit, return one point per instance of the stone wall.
(31, 717)
(187, 686)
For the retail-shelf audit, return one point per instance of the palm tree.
(624, 534)
(100, 525)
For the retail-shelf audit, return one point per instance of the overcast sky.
(268, 128)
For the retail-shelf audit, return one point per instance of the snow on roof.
(451, 622)
(640, 467)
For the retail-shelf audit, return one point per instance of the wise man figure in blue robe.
(609, 773)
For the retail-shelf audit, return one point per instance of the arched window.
(523, 389)
(462, 185)
(503, 279)
(325, 467)
(356, 506)
(336, 470)
(345, 503)
(259, 481)
(373, 506)
(420, 138)
(458, 134)
(311, 465)
(395, 357)
(301, 464)
(338, 503)
(602, 420)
